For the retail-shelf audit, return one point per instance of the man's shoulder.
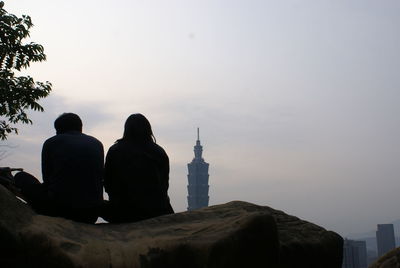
(72, 136)
(51, 139)
(91, 140)
(90, 137)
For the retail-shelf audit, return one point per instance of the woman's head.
(138, 129)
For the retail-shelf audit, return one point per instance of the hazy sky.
(297, 101)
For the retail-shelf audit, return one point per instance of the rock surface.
(389, 260)
(236, 234)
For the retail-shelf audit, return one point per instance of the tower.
(198, 179)
(385, 238)
(354, 254)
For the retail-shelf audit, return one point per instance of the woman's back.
(137, 174)
(136, 180)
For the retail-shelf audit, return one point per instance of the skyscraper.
(198, 178)
(385, 238)
(354, 254)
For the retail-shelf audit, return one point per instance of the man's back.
(72, 167)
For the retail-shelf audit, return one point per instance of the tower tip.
(198, 133)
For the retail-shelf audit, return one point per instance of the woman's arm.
(108, 173)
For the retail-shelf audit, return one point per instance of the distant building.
(385, 238)
(354, 254)
(371, 256)
(198, 179)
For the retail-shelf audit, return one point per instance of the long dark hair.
(138, 129)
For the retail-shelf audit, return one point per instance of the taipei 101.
(198, 178)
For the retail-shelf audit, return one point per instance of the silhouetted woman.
(136, 174)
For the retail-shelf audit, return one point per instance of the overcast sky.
(297, 101)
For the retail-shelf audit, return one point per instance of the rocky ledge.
(236, 234)
(389, 260)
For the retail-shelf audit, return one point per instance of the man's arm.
(46, 162)
(167, 173)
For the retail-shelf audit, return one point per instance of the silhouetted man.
(72, 169)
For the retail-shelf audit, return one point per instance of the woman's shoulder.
(137, 148)
(114, 147)
(117, 148)
(158, 148)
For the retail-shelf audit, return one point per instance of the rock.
(389, 260)
(304, 244)
(236, 234)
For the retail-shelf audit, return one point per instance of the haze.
(297, 101)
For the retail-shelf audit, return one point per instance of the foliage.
(18, 93)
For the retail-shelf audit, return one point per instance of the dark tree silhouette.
(18, 93)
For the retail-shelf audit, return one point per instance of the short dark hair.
(68, 122)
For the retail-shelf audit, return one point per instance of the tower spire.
(198, 178)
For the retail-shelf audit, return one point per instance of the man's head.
(68, 122)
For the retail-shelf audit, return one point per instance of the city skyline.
(297, 100)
